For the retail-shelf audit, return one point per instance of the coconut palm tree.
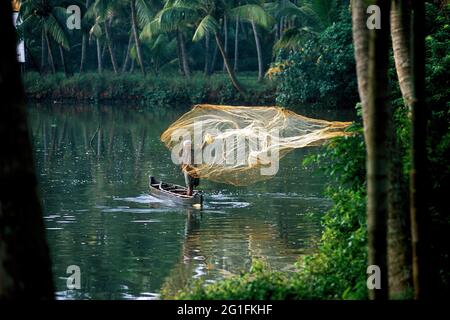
(176, 28)
(254, 13)
(142, 12)
(47, 16)
(299, 22)
(103, 12)
(378, 161)
(83, 43)
(206, 16)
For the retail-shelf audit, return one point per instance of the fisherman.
(188, 167)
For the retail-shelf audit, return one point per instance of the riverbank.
(157, 90)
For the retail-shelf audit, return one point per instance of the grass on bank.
(160, 90)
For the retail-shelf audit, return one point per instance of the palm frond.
(144, 12)
(96, 30)
(150, 30)
(294, 38)
(172, 18)
(207, 25)
(253, 12)
(54, 28)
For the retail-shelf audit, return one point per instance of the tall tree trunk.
(259, 52)
(225, 32)
(63, 61)
(25, 267)
(361, 45)
(282, 27)
(180, 55)
(399, 245)
(184, 56)
(230, 71)
(83, 52)
(50, 53)
(104, 51)
(127, 54)
(132, 66)
(207, 54)
(99, 55)
(420, 219)
(379, 117)
(83, 47)
(214, 60)
(136, 37)
(43, 50)
(400, 29)
(398, 237)
(236, 45)
(110, 48)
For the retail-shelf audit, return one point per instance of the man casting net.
(242, 145)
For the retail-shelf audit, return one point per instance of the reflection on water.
(93, 165)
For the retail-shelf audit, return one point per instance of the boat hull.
(174, 193)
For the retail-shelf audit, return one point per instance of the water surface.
(93, 165)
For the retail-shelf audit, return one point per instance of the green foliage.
(322, 72)
(46, 15)
(258, 284)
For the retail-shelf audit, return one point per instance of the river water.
(93, 164)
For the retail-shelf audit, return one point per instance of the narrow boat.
(174, 192)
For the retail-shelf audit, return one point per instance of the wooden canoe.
(174, 192)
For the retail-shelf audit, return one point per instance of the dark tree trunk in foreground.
(418, 180)
(361, 44)
(379, 117)
(25, 270)
(137, 43)
(230, 71)
(399, 239)
(258, 52)
(401, 31)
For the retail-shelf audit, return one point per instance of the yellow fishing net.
(242, 145)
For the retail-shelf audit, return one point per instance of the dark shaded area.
(24, 259)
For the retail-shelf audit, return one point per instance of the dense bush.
(323, 72)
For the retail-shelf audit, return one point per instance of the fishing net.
(242, 145)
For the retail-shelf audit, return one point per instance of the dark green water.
(93, 165)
